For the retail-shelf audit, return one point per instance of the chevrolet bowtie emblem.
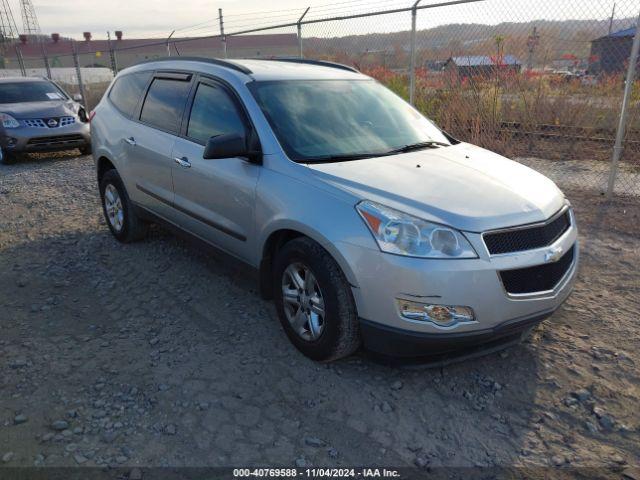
(553, 255)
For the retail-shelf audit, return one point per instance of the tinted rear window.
(20, 92)
(164, 104)
(127, 90)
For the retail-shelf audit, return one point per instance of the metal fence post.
(222, 36)
(112, 55)
(47, 67)
(76, 62)
(300, 32)
(20, 61)
(412, 67)
(626, 101)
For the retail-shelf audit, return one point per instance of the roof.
(22, 79)
(627, 32)
(261, 70)
(483, 61)
(152, 45)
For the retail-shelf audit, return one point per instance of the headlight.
(404, 234)
(8, 121)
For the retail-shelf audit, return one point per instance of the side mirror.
(77, 97)
(227, 145)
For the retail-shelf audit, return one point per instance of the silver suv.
(368, 224)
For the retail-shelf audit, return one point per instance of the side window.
(127, 90)
(164, 104)
(213, 113)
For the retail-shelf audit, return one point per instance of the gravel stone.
(21, 418)
(314, 442)
(59, 425)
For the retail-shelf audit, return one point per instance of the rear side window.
(127, 90)
(164, 104)
(213, 113)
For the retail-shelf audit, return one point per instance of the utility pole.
(112, 55)
(20, 61)
(76, 62)
(412, 66)
(169, 38)
(532, 43)
(300, 32)
(626, 102)
(613, 14)
(45, 59)
(223, 38)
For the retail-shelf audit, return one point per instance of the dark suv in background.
(38, 116)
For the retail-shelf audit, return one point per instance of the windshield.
(320, 119)
(21, 92)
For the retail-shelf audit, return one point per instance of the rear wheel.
(314, 301)
(118, 210)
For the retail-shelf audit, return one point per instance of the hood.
(53, 108)
(464, 186)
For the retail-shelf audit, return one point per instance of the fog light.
(11, 142)
(440, 315)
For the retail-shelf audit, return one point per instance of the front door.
(215, 198)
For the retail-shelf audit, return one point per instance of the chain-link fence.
(540, 81)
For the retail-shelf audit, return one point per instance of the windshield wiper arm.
(342, 158)
(419, 146)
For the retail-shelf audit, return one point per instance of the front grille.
(35, 122)
(44, 122)
(527, 238)
(540, 278)
(56, 141)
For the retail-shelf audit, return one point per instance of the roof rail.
(214, 61)
(322, 63)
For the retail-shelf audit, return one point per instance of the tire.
(339, 334)
(129, 227)
(8, 158)
(85, 150)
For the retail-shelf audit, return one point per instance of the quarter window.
(127, 90)
(164, 104)
(213, 113)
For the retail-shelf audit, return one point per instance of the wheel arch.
(279, 236)
(103, 165)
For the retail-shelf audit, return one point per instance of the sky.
(157, 18)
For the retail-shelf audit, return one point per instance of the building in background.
(95, 53)
(610, 54)
(470, 66)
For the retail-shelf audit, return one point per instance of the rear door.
(150, 141)
(215, 198)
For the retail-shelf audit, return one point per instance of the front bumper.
(394, 342)
(475, 283)
(34, 139)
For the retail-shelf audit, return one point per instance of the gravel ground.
(154, 354)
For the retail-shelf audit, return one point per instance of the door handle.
(183, 162)
(131, 141)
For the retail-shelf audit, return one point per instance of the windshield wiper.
(418, 146)
(342, 158)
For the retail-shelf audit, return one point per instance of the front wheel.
(7, 158)
(118, 210)
(314, 301)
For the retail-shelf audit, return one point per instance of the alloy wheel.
(113, 207)
(303, 301)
